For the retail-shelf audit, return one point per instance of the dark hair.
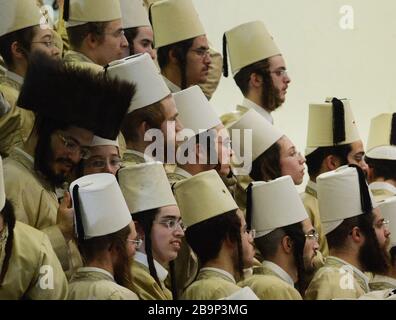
(130, 34)
(207, 237)
(180, 50)
(382, 168)
(204, 139)
(145, 219)
(267, 166)
(392, 253)
(9, 222)
(152, 114)
(77, 34)
(90, 248)
(23, 37)
(315, 159)
(269, 98)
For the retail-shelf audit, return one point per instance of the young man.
(106, 238)
(258, 68)
(350, 223)
(333, 140)
(183, 51)
(153, 107)
(29, 268)
(95, 32)
(273, 154)
(381, 156)
(20, 35)
(285, 238)
(217, 233)
(137, 28)
(62, 131)
(158, 223)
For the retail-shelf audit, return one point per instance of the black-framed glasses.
(101, 163)
(173, 224)
(73, 146)
(137, 242)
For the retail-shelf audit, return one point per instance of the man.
(183, 51)
(258, 68)
(95, 32)
(387, 280)
(137, 28)
(106, 238)
(333, 140)
(216, 233)
(158, 223)
(104, 157)
(62, 131)
(285, 238)
(29, 268)
(153, 107)
(349, 222)
(205, 142)
(21, 34)
(381, 156)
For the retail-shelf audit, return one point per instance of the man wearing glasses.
(258, 68)
(182, 46)
(95, 32)
(19, 38)
(58, 142)
(285, 237)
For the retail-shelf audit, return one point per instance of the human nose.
(124, 41)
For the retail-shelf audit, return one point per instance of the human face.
(113, 46)
(166, 241)
(356, 155)
(64, 159)
(291, 161)
(280, 79)
(381, 229)
(43, 41)
(143, 42)
(198, 61)
(131, 244)
(224, 151)
(247, 242)
(311, 244)
(102, 159)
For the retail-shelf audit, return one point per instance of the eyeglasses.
(137, 242)
(313, 235)
(74, 147)
(173, 224)
(116, 34)
(202, 52)
(100, 163)
(49, 44)
(382, 224)
(280, 73)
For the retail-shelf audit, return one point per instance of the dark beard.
(270, 98)
(372, 257)
(122, 270)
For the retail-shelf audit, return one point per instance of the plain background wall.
(322, 58)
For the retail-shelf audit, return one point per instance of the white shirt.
(223, 272)
(279, 271)
(13, 76)
(172, 87)
(251, 105)
(380, 185)
(141, 257)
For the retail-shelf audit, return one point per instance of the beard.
(270, 97)
(373, 257)
(122, 270)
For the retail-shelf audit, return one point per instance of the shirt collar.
(29, 159)
(94, 269)
(380, 185)
(279, 271)
(223, 272)
(182, 172)
(252, 105)
(14, 77)
(82, 57)
(172, 87)
(162, 273)
(312, 189)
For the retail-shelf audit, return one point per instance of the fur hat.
(75, 96)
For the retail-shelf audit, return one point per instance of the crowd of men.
(119, 180)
